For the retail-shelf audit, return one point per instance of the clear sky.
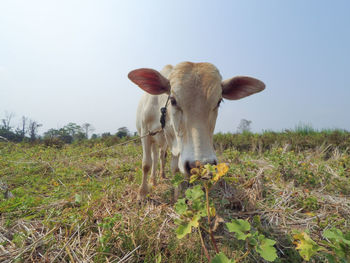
(67, 61)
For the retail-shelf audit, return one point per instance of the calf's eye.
(173, 101)
(219, 103)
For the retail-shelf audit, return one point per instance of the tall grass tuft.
(304, 128)
(300, 139)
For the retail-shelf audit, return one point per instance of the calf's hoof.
(154, 182)
(143, 191)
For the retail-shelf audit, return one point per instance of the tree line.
(27, 130)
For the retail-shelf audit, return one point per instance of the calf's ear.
(239, 87)
(150, 80)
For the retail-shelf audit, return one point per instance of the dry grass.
(90, 213)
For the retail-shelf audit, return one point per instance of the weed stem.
(203, 245)
(208, 212)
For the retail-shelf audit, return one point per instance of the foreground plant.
(335, 247)
(69, 208)
(196, 210)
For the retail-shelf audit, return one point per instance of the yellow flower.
(222, 169)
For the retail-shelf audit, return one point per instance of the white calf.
(195, 91)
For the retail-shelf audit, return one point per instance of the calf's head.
(196, 91)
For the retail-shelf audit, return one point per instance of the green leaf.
(199, 206)
(253, 241)
(183, 230)
(194, 193)
(177, 180)
(339, 243)
(194, 222)
(181, 206)
(186, 227)
(306, 246)
(178, 221)
(221, 258)
(266, 248)
(159, 258)
(336, 235)
(239, 226)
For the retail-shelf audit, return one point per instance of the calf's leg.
(154, 164)
(146, 164)
(174, 166)
(162, 153)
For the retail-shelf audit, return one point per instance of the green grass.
(301, 139)
(70, 205)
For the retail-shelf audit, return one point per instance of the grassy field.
(77, 203)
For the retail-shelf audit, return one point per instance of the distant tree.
(6, 130)
(6, 122)
(244, 126)
(72, 128)
(10, 135)
(87, 127)
(64, 135)
(106, 134)
(22, 130)
(51, 133)
(79, 136)
(67, 134)
(122, 132)
(75, 131)
(94, 136)
(18, 133)
(33, 129)
(61, 134)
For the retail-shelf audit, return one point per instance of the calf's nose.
(194, 164)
